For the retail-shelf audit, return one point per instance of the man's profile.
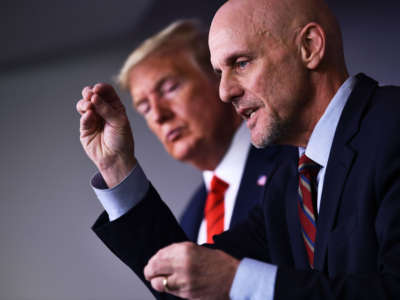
(331, 233)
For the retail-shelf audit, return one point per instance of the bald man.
(328, 228)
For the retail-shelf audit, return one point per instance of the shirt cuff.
(253, 280)
(121, 198)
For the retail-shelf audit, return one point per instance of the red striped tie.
(214, 210)
(308, 171)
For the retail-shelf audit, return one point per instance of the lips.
(174, 134)
(247, 113)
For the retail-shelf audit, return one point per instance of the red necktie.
(214, 210)
(308, 171)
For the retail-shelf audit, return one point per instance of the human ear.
(312, 45)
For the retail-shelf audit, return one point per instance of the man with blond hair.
(328, 228)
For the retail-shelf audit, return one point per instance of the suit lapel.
(259, 163)
(192, 217)
(339, 164)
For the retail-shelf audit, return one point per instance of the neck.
(325, 86)
(213, 153)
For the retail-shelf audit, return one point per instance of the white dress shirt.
(230, 170)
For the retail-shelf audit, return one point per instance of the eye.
(241, 64)
(169, 86)
(143, 108)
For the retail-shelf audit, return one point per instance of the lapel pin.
(262, 180)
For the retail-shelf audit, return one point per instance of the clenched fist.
(193, 272)
(105, 132)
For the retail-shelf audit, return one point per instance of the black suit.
(259, 162)
(357, 252)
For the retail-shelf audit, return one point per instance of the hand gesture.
(105, 132)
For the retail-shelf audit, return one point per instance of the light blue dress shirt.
(253, 280)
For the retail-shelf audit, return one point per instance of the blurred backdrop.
(49, 50)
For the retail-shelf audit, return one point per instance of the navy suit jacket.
(259, 162)
(357, 252)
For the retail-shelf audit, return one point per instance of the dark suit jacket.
(357, 252)
(259, 162)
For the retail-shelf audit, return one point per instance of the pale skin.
(280, 74)
(105, 132)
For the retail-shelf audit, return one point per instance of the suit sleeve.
(149, 226)
(139, 234)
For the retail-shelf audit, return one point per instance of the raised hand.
(190, 271)
(105, 132)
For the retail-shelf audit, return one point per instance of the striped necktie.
(308, 171)
(214, 210)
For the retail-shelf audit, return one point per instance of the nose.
(229, 88)
(161, 111)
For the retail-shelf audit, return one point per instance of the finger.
(157, 267)
(107, 92)
(160, 263)
(106, 111)
(166, 260)
(83, 105)
(164, 283)
(158, 283)
(104, 89)
(87, 92)
(89, 121)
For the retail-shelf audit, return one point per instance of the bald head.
(280, 20)
(280, 62)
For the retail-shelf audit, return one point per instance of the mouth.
(174, 134)
(247, 113)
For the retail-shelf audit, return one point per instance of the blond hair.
(181, 34)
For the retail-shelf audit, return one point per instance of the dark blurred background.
(49, 50)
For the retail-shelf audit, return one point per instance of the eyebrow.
(161, 81)
(156, 87)
(231, 58)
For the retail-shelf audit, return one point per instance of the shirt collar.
(233, 160)
(319, 145)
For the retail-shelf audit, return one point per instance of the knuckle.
(187, 248)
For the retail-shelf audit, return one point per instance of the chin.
(180, 152)
(258, 141)
(261, 137)
(273, 132)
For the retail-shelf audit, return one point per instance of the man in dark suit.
(328, 228)
(168, 93)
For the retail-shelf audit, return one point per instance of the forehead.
(228, 41)
(158, 65)
(147, 74)
(232, 33)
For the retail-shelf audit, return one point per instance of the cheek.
(156, 130)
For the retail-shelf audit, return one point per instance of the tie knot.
(308, 166)
(218, 185)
